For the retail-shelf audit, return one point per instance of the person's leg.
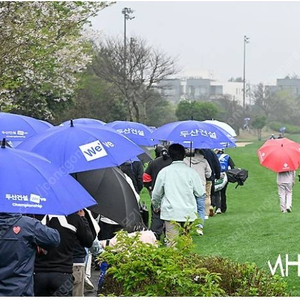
(61, 284)
(207, 197)
(212, 194)
(223, 199)
(78, 284)
(289, 195)
(53, 284)
(88, 264)
(41, 284)
(157, 224)
(172, 231)
(201, 209)
(217, 197)
(281, 194)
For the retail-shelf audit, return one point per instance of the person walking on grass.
(285, 183)
(161, 161)
(176, 188)
(201, 166)
(214, 164)
(226, 164)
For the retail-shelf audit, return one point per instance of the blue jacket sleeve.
(45, 236)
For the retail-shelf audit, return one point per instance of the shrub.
(243, 279)
(138, 269)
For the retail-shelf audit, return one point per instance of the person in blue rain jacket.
(20, 237)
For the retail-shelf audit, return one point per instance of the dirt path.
(242, 144)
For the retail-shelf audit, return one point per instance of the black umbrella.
(115, 197)
(146, 156)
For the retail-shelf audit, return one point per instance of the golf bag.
(237, 175)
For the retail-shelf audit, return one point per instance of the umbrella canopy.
(30, 184)
(116, 198)
(84, 121)
(279, 155)
(137, 132)
(222, 125)
(146, 156)
(18, 128)
(80, 148)
(194, 134)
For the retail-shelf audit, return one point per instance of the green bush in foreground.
(138, 269)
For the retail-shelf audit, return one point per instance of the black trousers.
(53, 284)
(224, 199)
(157, 225)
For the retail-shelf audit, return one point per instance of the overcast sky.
(208, 36)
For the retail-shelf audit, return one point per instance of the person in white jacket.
(201, 166)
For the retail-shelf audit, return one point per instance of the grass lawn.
(253, 229)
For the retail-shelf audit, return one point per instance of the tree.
(263, 98)
(94, 98)
(230, 112)
(258, 123)
(197, 110)
(159, 110)
(42, 51)
(145, 67)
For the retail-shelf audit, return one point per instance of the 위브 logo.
(92, 151)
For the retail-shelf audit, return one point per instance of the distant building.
(291, 85)
(199, 89)
(171, 89)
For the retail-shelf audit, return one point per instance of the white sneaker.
(206, 217)
(218, 211)
(199, 231)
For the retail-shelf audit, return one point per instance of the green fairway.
(253, 229)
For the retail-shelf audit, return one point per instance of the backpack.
(237, 175)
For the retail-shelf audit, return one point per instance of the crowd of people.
(50, 255)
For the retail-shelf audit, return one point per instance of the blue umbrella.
(137, 132)
(18, 128)
(30, 184)
(84, 121)
(194, 134)
(78, 148)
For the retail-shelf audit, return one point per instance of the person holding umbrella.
(285, 182)
(149, 177)
(201, 166)
(281, 156)
(53, 271)
(19, 238)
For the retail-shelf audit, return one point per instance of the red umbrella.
(280, 155)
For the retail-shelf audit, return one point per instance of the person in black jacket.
(226, 163)
(135, 170)
(214, 164)
(53, 270)
(162, 160)
(19, 238)
(80, 255)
